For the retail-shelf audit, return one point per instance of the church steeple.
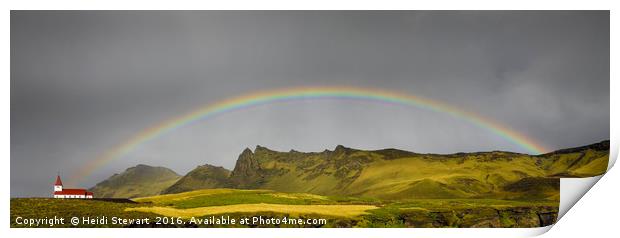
(58, 184)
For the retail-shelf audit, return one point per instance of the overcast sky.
(83, 82)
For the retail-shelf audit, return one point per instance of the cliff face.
(248, 172)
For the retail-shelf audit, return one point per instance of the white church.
(60, 192)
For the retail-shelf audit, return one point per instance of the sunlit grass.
(294, 210)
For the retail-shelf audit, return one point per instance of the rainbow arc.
(304, 93)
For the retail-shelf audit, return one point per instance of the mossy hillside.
(397, 174)
(203, 176)
(139, 181)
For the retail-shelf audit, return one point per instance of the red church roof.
(73, 191)
(58, 182)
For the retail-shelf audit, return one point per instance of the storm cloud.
(83, 82)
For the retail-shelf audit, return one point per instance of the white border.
(278, 5)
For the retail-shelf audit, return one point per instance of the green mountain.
(139, 181)
(383, 174)
(204, 176)
(398, 174)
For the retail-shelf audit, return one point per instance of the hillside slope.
(139, 181)
(204, 176)
(384, 174)
(397, 174)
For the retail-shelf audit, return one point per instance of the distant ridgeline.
(385, 174)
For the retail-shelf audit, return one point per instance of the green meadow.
(338, 211)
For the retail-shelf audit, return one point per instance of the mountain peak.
(247, 169)
(139, 166)
(341, 149)
(246, 152)
(209, 166)
(261, 149)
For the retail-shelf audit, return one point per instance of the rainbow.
(305, 93)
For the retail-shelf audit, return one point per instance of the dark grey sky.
(82, 82)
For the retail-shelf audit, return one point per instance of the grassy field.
(293, 210)
(221, 197)
(338, 211)
(222, 201)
